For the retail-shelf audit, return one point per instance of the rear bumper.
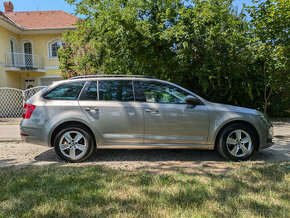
(33, 136)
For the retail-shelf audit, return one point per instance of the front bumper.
(270, 137)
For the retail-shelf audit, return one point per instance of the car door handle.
(91, 109)
(152, 110)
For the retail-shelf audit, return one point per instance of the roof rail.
(110, 75)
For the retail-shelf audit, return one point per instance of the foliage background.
(205, 46)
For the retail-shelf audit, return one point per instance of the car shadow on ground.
(151, 155)
(168, 161)
(5, 162)
(275, 153)
(156, 161)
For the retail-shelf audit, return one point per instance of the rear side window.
(116, 90)
(92, 93)
(67, 91)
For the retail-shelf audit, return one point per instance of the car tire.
(74, 143)
(236, 142)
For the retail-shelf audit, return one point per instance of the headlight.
(264, 118)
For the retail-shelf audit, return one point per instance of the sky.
(40, 5)
(45, 5)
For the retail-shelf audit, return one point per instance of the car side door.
(111, 107)
(169, 119)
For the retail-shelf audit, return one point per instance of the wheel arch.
(257, 144)
(68, 123)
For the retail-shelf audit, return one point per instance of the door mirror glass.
(191, 100)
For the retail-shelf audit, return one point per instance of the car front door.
(169, 120)
(110, 106)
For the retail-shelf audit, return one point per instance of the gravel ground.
(19, 154)
(10, 121)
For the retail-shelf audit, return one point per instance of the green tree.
(205, 46)
(121, 37)
(201, 44)
(270, 21)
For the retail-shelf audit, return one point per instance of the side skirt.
(155, 146)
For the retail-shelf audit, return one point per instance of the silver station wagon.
(84, 113)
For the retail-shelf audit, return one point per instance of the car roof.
(110, 76)
(106, 77)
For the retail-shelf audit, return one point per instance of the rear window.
(116, 90)
(67, 91)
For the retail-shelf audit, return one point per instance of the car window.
(156, 92)
(116, 90)
(92, 93)
(66, 91)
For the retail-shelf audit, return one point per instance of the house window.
(28, 58)
(12, 48)
(13, 44)
(53, 47)
(27, 48)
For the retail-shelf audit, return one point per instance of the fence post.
(23, 97)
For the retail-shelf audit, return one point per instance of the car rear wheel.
(236, 142)
(73, 143)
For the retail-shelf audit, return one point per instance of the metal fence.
(12, 100)
(24, 60)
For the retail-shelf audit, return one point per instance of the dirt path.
(20, 154)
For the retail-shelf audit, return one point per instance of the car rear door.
(111, 107)
(168, 119)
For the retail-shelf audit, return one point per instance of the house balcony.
(23, 62)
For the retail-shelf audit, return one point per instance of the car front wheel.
(73, 143)
(236, 142)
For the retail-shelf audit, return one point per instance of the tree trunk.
(266, 96)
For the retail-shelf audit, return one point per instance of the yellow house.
(28, 46)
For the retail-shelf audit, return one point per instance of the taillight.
(28, 111)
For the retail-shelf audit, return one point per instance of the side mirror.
(191, 100)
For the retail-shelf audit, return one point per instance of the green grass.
(59, 191)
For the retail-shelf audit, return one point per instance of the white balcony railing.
(23, 60)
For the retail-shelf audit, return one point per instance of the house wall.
(39, 47)
(9, 80)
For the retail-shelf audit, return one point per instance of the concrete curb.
(10, 140)
(281, 136)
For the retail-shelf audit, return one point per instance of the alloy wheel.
(239, 143)
(73, 145)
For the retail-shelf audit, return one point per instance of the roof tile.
(42, 19)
